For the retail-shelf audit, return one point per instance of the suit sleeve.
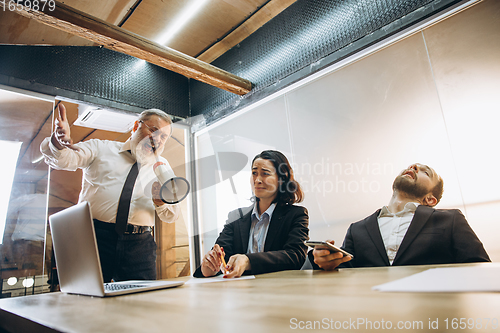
(293, 253)
(348, 246)
(225, 240)
(466, 245)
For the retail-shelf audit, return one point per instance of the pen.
(223, 263)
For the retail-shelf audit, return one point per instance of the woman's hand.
(237, 265)
(210, 265)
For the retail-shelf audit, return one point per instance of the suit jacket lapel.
(374, 232)
(274, 226)
(421, 216)
(246, 223)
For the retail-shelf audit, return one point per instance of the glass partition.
(429, 97)
(25, 120)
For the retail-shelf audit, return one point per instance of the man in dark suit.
(408, 231)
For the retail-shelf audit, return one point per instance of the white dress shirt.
(393, 227)
(258, 231)
(106, 165)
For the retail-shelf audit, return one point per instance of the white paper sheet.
(485, 278)
(218, 278)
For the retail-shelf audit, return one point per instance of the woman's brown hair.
(289, 190)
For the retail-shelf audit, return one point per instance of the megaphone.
(173, 189)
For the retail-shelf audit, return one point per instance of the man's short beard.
(143, 156)
(413, 189)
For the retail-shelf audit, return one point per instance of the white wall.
(430, 98)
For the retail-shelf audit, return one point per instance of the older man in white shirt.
(127, 249)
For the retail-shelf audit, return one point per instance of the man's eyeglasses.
(156, 133)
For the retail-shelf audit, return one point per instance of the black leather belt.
(129, 230)
(136, 229)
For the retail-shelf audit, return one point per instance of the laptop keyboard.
(116, 286)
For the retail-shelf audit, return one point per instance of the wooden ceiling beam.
(115, 38)
(257, 20)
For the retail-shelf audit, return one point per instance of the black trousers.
(126, 257)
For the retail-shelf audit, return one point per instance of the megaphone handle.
(174, 190)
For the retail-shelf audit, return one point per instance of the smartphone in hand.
(327, 246)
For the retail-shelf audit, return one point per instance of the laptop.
(77, 259)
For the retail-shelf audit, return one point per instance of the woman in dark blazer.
(253, 243)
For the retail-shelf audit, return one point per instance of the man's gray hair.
(146, 114)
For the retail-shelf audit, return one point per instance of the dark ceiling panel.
(99, 73)
(296, 43)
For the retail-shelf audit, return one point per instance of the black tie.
(124, 203)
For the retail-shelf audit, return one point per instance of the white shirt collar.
(126, 146)
(269, 211)
(410, 207)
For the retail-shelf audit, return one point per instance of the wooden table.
(339, 301)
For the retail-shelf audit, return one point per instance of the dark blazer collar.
(272, 231)
(275, 225)
(374, 232)
(246, 224)
(422, 214)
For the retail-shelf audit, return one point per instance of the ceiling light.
(12, 281)
(29, 282)
(187, 14)
(105, 119)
